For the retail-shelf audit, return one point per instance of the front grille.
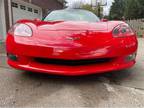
(72, 62)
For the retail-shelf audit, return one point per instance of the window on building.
(14, 5)
(36, 11)
(30, 9)
(22, 7)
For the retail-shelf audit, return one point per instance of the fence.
(138, 26)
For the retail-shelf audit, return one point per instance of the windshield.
(72, 15)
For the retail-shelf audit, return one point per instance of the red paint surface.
(71, 41)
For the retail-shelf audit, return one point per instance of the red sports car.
(71, 42)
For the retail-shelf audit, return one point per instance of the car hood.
(73, 25)
(80, 37)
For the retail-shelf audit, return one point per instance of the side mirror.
(104, 20)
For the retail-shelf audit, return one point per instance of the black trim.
(72, 62)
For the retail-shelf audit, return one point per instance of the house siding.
(6, 14)
(46, 5)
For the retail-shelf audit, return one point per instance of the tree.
(89, 8)
(130, 9)
(141, 8)
(134, 9)
(82, 5)
(92, 9)
(117, 9)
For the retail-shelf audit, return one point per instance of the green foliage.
(94, 10)
(88, 7)
(130, 9)
(0, 41)
(134, 9)
(117, 9)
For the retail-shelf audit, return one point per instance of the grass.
(1, 42)
(140, 34)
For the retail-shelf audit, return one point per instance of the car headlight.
(22, 30)
(123, 30)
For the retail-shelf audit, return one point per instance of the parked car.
(71, 42)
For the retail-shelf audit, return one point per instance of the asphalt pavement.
(110, 90)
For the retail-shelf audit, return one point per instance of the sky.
(106, 8)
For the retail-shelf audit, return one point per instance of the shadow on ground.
(115, 77)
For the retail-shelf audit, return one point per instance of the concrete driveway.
(116, 89)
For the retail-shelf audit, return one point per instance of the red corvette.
(71, 42)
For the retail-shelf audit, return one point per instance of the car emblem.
(73, 38)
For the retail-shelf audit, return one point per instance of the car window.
(72, 15)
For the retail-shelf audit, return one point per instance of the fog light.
(131, 57)
(12, 57)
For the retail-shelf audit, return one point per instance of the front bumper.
(30, 65)
(121, 52)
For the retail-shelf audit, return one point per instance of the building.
(13, 10)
